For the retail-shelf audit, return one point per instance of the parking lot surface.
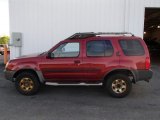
(81, 102)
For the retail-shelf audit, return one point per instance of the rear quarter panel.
(133, 62)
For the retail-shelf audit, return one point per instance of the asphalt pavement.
(81, 102)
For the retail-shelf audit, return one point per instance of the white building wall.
(152, 3)
(4, 18)
(43, 23)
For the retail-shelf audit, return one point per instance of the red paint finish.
(83, 68)
(134, 62)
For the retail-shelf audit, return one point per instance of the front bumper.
(145, 75)
(9, 75)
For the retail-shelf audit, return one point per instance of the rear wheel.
(118, 85)
(27, 83)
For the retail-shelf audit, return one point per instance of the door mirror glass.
(50, 55)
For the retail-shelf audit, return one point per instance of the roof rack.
(82, 35)
(114, 33)
(92, 34)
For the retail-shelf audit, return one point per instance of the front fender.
(29, 66)
(23, 65)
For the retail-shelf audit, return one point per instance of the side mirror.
(50, 55)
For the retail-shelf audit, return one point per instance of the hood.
(29, 56)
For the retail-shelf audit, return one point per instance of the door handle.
(77, 61)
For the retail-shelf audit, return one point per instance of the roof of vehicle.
(78, 36)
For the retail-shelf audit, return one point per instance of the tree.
(4, 40)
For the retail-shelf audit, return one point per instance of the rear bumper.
(9, 75)
(145, 75)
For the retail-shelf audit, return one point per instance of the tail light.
(148, 63)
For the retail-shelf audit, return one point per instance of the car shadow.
(73, 90)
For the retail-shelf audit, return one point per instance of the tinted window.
(99, 48)
(132, 47)
(67, 50)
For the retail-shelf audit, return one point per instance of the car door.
(99, 58)
(64, 64)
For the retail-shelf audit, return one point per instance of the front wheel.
(27, 83)
(118, 85)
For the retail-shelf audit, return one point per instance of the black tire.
(27, 83)
(118, 85)
(2, 53)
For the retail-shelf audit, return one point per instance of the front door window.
(67, 50)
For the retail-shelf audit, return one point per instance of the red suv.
(114, 59)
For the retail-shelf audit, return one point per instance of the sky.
(4, 17)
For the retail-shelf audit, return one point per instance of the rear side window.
(99, 48)
(132, 47)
